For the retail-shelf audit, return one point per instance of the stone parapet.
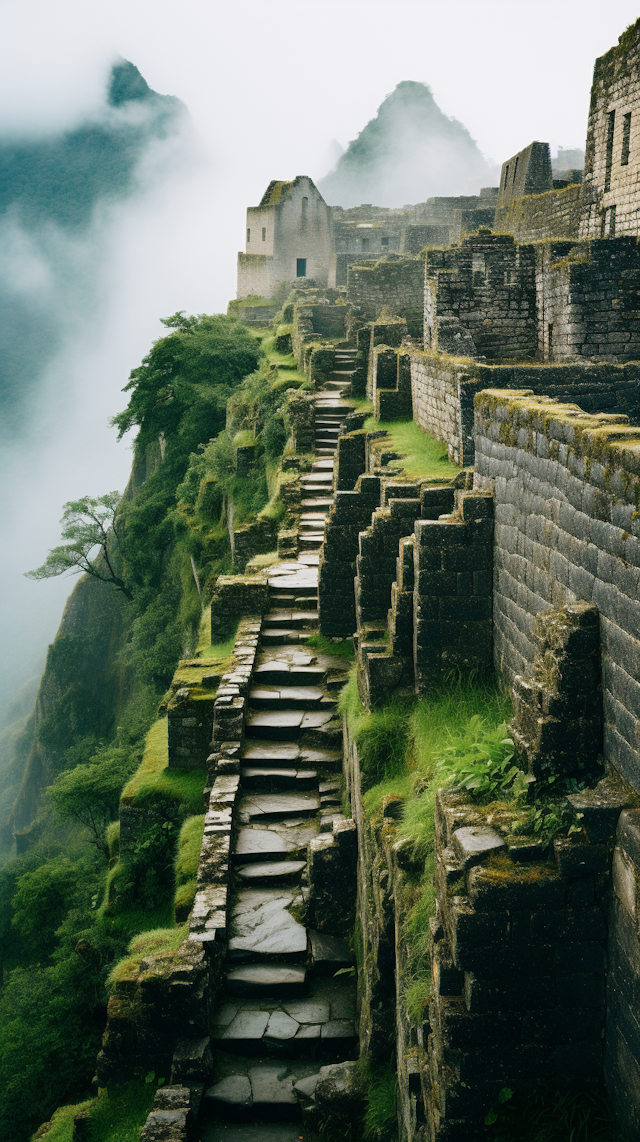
(567, 491)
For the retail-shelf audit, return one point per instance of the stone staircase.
(284, 1013)
(344, 366)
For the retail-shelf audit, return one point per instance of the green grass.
(153, 779)
(61, 1128)
(422, 455)
(400, 747)
(285, 362)
(150, 943)
(563, 1114)
(381, 1118)
(323, 645)
(189, 846)
(121, 1110)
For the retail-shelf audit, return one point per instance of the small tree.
(90, 525)
(90, 794)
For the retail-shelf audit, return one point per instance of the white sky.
(269, 84)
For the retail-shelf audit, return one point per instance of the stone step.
(274, 780)
(292, 619)
(287, 698)
(280, 754)
(317, 478)
(284, 636)
(263, 1091)
(304, 602)
(276, 980)
(322, 451)
(263, 845)
(217, 1130)
(317, 489)
(322, 466)
(312, 540)
(270, 872)
(257, 807)
(252, 1031)
(277, 671)
(262, 926)
(307, 503)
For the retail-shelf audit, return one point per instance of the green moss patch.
(421, 454)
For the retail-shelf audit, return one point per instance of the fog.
(274, 88)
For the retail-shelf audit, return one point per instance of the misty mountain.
(51, 191)
(409, 152)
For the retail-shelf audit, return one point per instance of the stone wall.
(443, 390)
(554, 214)
(480, 299)
(396, 284)
(622, 1044)
(588, 300)
(567, 492)
(612, 158)
(528, 172)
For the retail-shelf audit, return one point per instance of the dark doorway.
(301, 267)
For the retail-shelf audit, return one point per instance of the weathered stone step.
(277, 670)
(323, 478)
(261, 925)
(293, 619)
(313, 490)
(267, 1032)
(322, 466)
(220, 1131)
(253, 845)
(270, 780)
(264, 1091)
(311, 540)
(279, 754)
(283, 637)
(308, 503)
(277, 806)
(287, 698)
(270, 872)
(257, 980)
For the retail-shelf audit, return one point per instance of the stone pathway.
(284, 1012)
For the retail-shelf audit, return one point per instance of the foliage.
(89, 524)
(151, 943)
(380, 1120)
(90, 793)
(422, 455)
(381, 736)
(189, 845)
(40, 902)
(559, 1114)
(320, 644)
(480, 761)
(184, 382)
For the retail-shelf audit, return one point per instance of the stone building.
(612, 163)
(528, 172)
(289, 239)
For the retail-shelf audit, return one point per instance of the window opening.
(365, 243)
(515, 171)
(264, 233)
(384, 241)
(609, 160)
(506, 175)
(301, 267)
(550, 339)
(626, 140)
(248, 234)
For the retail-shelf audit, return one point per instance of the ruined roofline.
(278, 191)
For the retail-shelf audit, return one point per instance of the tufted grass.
(143, 944)
(422, 455)
(153, 779)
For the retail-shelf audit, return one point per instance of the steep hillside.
(409, 152)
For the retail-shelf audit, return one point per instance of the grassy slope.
(422, 455)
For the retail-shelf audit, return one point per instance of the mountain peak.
(126, 83)
(408, 152)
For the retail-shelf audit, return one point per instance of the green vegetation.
(323, 645)
(421, 454)
(89, 523)
(560, 1114)
(381, 1117)
(407, 749)
(115, 1116)
(75, 902)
